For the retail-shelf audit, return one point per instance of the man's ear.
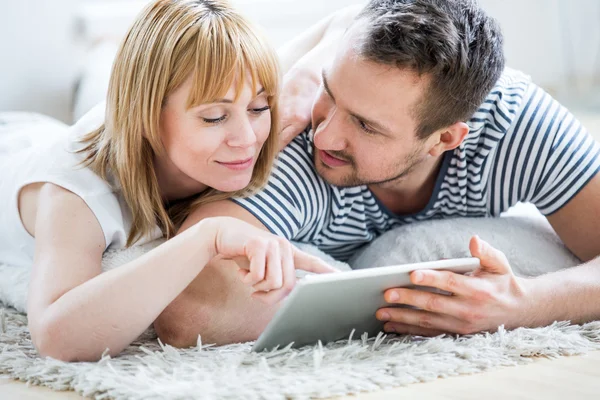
(448, 138)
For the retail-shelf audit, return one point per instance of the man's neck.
(412, 193)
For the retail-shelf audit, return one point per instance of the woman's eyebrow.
(229, 101)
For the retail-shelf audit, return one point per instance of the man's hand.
(490, 297)
(302, 61)
(299, 90)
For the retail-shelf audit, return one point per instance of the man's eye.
(364, 127)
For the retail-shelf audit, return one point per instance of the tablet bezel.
(266, 340)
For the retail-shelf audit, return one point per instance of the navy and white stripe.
(523, 146)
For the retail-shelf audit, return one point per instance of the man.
(416, 119)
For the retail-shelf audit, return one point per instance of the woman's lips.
(238, 165)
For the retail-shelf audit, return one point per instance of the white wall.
(38, 55)
(556, 41)
(42, 42)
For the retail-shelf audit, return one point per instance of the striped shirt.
(523, 146)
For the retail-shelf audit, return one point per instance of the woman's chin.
(232, 185)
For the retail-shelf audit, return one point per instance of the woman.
(190, 118)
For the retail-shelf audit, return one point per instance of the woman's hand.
(272, 259)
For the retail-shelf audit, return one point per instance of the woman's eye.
(214, 120)
(259, 110)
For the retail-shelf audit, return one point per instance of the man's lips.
(330, 160)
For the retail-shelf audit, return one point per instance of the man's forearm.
(217, 306)
(313, 48)
(571, 294)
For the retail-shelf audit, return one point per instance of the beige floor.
(575, 377)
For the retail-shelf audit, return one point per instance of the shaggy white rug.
(149, 370)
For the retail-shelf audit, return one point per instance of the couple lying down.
(411, 116)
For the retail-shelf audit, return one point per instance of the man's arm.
(494, 296)
(311, 45)
(216, 305)
(565, 185)
(578, 222)
(574, 293)
(302, 61)
(568, 192)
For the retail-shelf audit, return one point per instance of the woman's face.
(212, 145)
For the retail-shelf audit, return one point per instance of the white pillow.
(523, 234)
(19, 130)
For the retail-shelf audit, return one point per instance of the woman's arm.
(76, 312)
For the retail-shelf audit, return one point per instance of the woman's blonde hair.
(170, 41)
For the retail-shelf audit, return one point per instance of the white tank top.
(53, 159)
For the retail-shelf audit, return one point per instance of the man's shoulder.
(299, 148)
(502, 105)
(295, 197)
(296, 160)
(294, 177)
(509, 90)
(511, 77)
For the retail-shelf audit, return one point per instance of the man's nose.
(328, 134)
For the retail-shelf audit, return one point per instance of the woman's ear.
(449, 138)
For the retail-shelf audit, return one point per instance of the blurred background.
(56, 55)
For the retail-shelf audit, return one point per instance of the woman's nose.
(242, 134)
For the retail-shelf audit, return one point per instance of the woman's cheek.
(264, 128)
(211, 139)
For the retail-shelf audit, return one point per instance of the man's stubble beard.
(412, 161)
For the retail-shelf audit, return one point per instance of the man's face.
(364, 128)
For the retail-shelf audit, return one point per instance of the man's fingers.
(405, 329)
(434, 302)
(492, 260)
(288, 134)
(448, 281)
(422, 319)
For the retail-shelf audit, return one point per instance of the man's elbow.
(180, 327)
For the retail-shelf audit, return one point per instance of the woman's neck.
(173, 184)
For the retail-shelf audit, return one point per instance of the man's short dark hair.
(454, 42)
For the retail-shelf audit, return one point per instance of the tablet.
(328, 307)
